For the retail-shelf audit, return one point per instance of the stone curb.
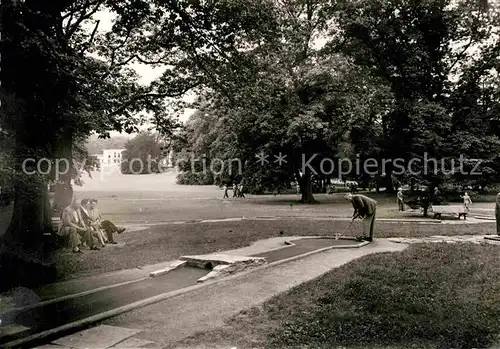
(216, 272)
(75, 295)
(171, 267)
(492, 237)
(237, 219)
(486, 218)
(161, 297)
(471, 239)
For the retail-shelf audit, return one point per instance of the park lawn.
(133, 207)
(428, 296)
(168, 242)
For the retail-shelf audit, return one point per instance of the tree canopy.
(380, 80)
(66, 82)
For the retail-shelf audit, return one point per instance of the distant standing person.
(497, 213)
(240, 191)
(235, 191)
(225, 192)
(354, 188)
(467, 201)
(365, 208)
(401, 204)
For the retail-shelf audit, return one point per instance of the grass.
(168, 242)
(128, 207)
(428, 296)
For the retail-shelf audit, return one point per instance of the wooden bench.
(452, 209)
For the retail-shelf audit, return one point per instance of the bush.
(256, 190)
(492, 189)
(189, 178)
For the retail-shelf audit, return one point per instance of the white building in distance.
(110, 157)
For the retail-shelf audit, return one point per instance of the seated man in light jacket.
(73, 227)
(85, 212)
(106, 225)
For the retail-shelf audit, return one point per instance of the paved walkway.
(163, 324)
(475, 239)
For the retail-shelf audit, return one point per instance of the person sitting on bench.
(73, 227)
(85, 209)
(106, 225)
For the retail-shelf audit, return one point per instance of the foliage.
(199, 151)
(438, 58)
(359, 96)
(189, 178)
(70, 81)
(293, 101)
(143, 154)
(76, 93)
(96, 145)
(83, 162)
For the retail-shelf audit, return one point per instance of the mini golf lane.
(59, 313)
(62, 312)
(304, 246)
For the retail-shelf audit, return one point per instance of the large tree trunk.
(64, 191)
(25, 259)
(62, 196)
(388, 179)
(306, 189)
(426, 209)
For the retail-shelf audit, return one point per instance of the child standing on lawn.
(467, 201)
(401, 204)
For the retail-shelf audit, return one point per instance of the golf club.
(347, 226)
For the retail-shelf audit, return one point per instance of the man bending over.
(364, 208)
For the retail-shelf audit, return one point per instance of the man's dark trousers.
(109, 228)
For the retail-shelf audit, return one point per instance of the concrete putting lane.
(304, 246)
(53, 315)
(59, 313)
